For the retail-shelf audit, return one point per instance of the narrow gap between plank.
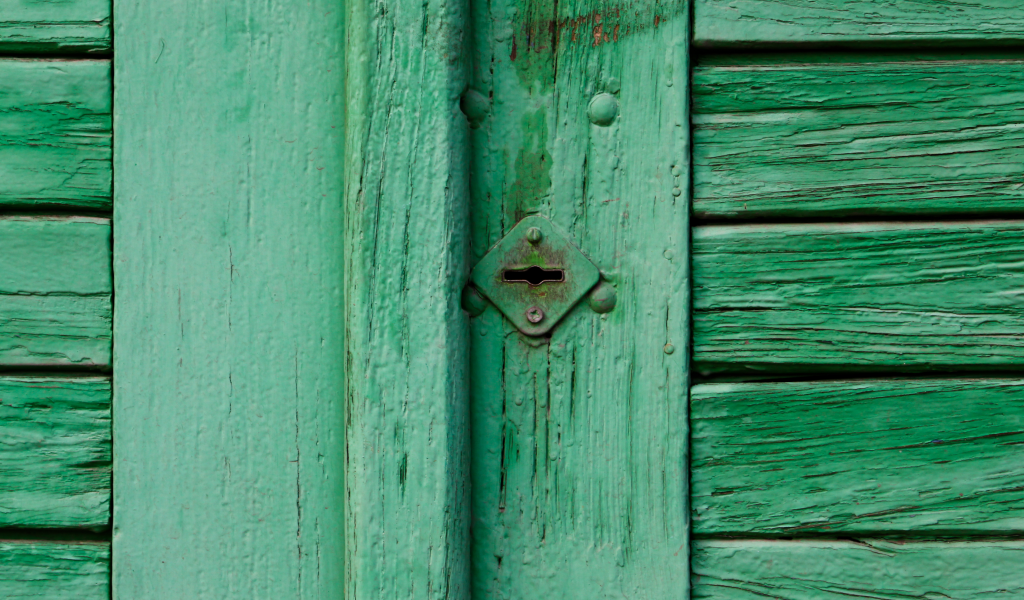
(852, 220)
(8, 534)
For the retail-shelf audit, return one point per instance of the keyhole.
(533, 275)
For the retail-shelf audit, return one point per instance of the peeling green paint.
(532, 183)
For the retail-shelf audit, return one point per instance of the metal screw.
(534, 235)
(534, 315)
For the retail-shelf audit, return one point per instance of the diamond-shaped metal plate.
(516, 252)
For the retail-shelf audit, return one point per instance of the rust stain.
(605, 26)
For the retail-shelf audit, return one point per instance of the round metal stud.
(603, 109)
(473, 302)
(603, 298)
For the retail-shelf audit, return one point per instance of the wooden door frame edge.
(406, 255)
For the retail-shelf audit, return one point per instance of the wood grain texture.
(938, 456)
(580, 439)
(55, 291)
(55, 451)
(55, 130)
(228, 374)
(406, 210)
(55, 26)
(34, 570)
(839, 570)
(858, 136)
(876, 22)
(864, 296)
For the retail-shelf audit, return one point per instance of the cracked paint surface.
(579, 438)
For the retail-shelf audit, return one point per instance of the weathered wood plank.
(55, 291)
(55, 452)
(55, 130)
(839, 570)
(580, 440)
(938, 455)
(883, 136)
(406, 238)
(49, 26)
(747, 22)
(34, 570)
(228, 374)
(858, 295)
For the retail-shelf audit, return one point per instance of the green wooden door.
(579, 438)
(801, 380)
(482, 462)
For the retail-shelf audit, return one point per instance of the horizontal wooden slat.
(55, 452)
(841, 570)
(858, 137)
(940, 456)
(37, 570)
(48, 26)
(858, 296)
(55, 291)
(746, 22)
(55, 132)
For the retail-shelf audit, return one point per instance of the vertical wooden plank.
(579, 440)
(405, 263)
(229, 328)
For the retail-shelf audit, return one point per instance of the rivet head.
(473, 302)
(603, 109)
(534, 235)
(534, 315)
(475, 106)
(669, 348)
(602, 298)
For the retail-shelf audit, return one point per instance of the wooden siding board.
(406, 234)
(55, 452)
(580, 440)
(863, 22)
(858, 296)
(55, 134)
(939, 456)
(48, 26)
(228, 374)
(840, 569)
(858, 136)
(55, 291)
(30, 570)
